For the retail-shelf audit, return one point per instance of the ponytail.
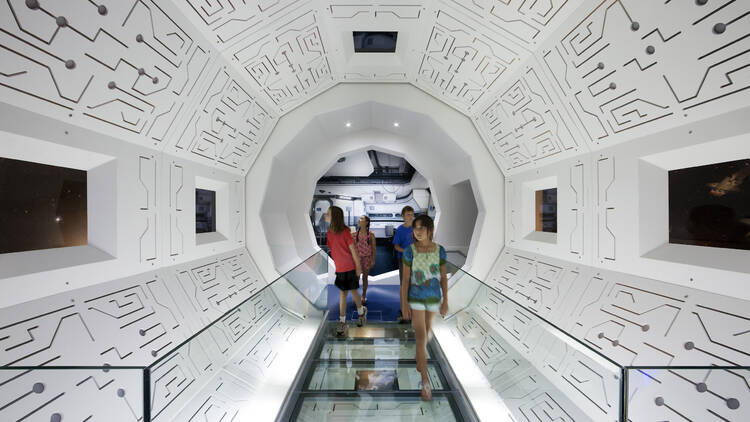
(367, 228)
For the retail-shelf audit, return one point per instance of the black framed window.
(710, 205)
(546, 210)
(41, 206)
(374, 41)
(205, 211)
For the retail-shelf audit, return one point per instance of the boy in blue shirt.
(402, 239)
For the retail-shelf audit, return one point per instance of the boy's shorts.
(347, 280)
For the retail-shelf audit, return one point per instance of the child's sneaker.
(362, 318)
(340, 328)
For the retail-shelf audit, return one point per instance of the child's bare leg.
(357, 298)
(342, 303)
(418, 322)
(428, 323)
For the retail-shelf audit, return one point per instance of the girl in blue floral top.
(424, 290)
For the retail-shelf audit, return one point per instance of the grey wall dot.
(600, 335)
(154, 353)
(719, 28)
(106, 368)
(612, 85)
(701, 2)
(142, 332)
(615, 343)
(102, 9)
(111, 85)
(141, 71)
(600, 65)
(650, 49)
(155, 80)
(689, 345)
(733, 403)
(61, 21)
(645, 328)
(120, 392)
(701, 387)
(56, 417)
(38, 388)
(32, 4)
(659, 401)
(139, 38)
(634, 26)
(70, 64)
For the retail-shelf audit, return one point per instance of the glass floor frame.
(370, 374)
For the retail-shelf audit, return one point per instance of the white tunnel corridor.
(591, 160)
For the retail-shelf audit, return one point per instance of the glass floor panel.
(369, 349)
(370, 374)
(375, 408)
(375, 330)
(378, 376)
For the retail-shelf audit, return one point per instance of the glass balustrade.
(252, 348)
(530, 363)
(224, 365)
(537, 369)
(541, 372)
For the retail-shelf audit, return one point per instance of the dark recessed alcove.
(41, 206)
(374, 41)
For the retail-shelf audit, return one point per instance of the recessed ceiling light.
(348, 124)
(395, 124)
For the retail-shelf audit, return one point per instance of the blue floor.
(382, 303)
(385, 260)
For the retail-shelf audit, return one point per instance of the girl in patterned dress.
(365, 246)
(424, 290)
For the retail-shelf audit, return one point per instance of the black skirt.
(347, 280)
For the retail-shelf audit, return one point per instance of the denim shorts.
(431, 307)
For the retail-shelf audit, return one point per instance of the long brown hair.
(425, 221)
(337, 219)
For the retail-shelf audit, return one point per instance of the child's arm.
(443, 281)
(372, 239)
(397, 242)
(357, 266)
(444, 288)
(405, 280)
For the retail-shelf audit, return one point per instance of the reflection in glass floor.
(377, 330)
(370, 349)
(352, 409)
(370, 375)
(377, 376)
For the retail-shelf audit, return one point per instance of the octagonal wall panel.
(455, 50)
(613, 207)
(278, 227)
(137, 71)
(141, 206)
(618, 70)
(632, 320)
(311, 154)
